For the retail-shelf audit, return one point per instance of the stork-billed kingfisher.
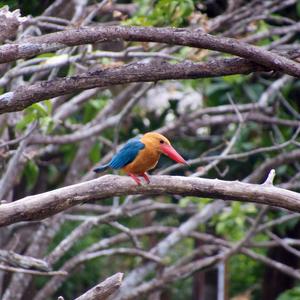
(140, 155)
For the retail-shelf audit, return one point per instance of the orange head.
(161, 144)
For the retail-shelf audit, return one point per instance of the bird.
(140, 155)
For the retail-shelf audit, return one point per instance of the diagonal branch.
(104, 289)
(44, 205)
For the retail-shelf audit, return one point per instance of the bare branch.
(44, 205)
(270, 177)
(104, 289)
(32, 272)
(10, 22)
(271, 163)
(171, 275)
(23, 261)
(15, 165)
(24, 96)
(126, 251)
(283, 243)
(193, 38)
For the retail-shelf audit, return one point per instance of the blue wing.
(127, 154)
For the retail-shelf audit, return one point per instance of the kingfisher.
(140, 155)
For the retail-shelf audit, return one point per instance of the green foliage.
(298, 8)
(163, 13)
(292, 294)
(231, 223)
(12, 4)
(27, 7)
(181, 290)
(91, 108)
(37, 112)
(49, 55)
(181, 249)
(201, 202)
(31, 172)
(250, 270)
(95, 153)
(68, 152)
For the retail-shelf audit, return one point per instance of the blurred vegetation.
(162, 13)
(27, 7)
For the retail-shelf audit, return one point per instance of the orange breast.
(145, 161)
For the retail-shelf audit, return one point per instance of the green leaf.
(233, 79)
(49, 106)
(27, 119)
(40, 109)
(298, 8)
(163, 13)
(37, 111)
(46, 124)
(48, 54)
(31, 172)
(292, 294)
(95, 153)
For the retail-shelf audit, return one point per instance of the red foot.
(138, 182)
(146, 177)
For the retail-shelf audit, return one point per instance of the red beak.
(172, 153)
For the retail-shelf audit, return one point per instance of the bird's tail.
(101, 168)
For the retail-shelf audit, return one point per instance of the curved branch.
(44, 205)
(173, 36)
(24, 96)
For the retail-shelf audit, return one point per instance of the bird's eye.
(161, 141)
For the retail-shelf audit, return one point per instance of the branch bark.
(44, 205)
(31, 272)
(104, 289)
(173, 36)
(24, 96)
(10, 22)
(25, 262)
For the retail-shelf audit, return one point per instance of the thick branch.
(193, 38)
(104, 289)
(135, 72)
(23, 261)
(49, 203)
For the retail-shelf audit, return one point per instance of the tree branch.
(173, 36)
(25, 262)
(44, 205)
(31, 272)
(24, 96)
(104, 289)
(271, 163)
(10, 22)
